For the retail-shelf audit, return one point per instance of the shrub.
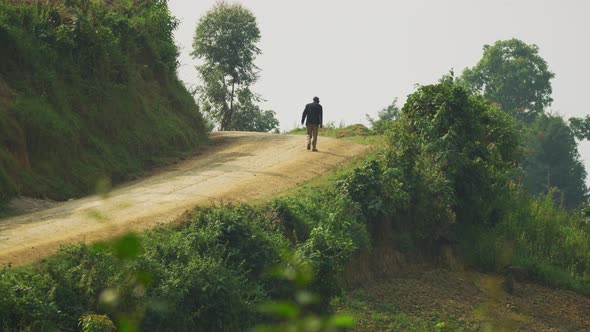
(454, 154)
(338, 230)
(26, 301)
(202, 294)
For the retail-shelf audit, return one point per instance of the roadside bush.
(247, 235)
(365, 185)
(291, 225)
(79, 274)
(207, 276)
(337, 230)
(211, 273)
(203, 294)
(25, 301)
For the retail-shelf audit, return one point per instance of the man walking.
(313, 112)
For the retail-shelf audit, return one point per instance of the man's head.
(316, 99)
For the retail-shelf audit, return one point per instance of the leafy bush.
(337, 230)
(454, 154)
(203, 293)
(247, 235)
(25, 301)
(376, 189)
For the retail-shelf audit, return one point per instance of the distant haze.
(357, 56)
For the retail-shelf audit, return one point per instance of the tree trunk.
(231, 103)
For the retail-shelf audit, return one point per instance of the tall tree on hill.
(552, 161)
(225, 40)
(514, 75)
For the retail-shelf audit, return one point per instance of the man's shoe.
(308, 146)
(315, 150)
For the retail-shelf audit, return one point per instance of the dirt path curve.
(238, 167)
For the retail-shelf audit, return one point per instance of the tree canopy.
(514, 75)
(249, 116)
(580, 127)
(225, 40)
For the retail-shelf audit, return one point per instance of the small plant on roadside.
(96, 323)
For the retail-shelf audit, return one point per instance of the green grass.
(329, 130)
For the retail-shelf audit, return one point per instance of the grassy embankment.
(88, 94)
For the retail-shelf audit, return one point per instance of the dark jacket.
(314, 114)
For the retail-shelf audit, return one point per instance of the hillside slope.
(88, 92)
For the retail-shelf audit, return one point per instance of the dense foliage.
(88, 90)
(456, 154)
(455, 157)
(249, 117)
(535, 233)
(581, 127)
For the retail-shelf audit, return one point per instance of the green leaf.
(340, 321)
(282, 309)
(127, 247)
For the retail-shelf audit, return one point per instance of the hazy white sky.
(357, 56)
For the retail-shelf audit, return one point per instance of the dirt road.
(237, 167)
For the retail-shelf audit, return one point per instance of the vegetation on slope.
(88, 91)
(436, 180)
(210, 274)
